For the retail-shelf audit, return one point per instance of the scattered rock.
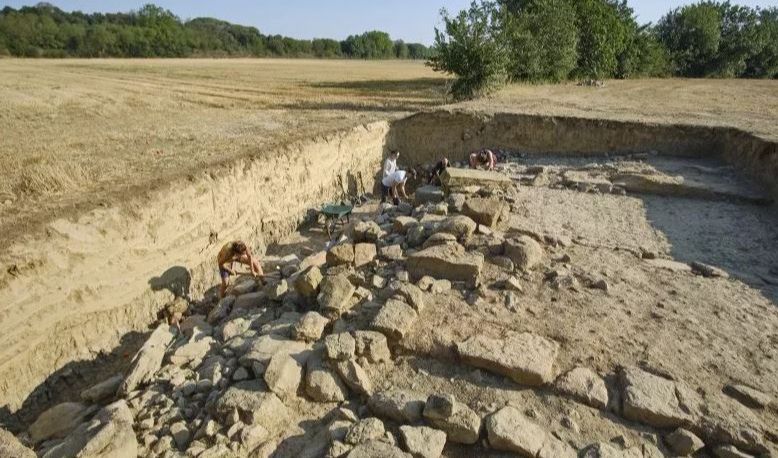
(355, 377)
(428, 194)
(335, 294)
(729, 451)
(411, 294)
(395, 319)
(524, 251)
(416, 236)
(509, 430)
(321, 383)
(340, 346)
(255, 406)
(440, 407)
(283, 375)
(486, 212)
(376, 449)
(584, 385)
(103, 390)
(456, 202)
(422, 441)
(307, 283)
(252, 437)
(748, 396)
(310, 327)
(108, 434)
(439, 238)
(264, 347)
(147, 361)
(192, 352)
(364, 431)
(683, 442)
(463, 426)
(526, 358)
(340, 254)
(449, 262)
(460, 226)
(666, 264)
(59, 420)
(367, 232)
(364, 254)
(403, 223)
(402, 406)
(392, 253)
(181, 434)
(373, 346)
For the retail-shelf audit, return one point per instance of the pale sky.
(410, 20)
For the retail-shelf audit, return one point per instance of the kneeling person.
(235, 252)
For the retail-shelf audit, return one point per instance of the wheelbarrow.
(335, 213)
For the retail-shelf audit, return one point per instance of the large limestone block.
(355, 377)
(340, 254)
(364, 254)
(377, 449)
(429, 195)
(463, 426)
(108, 435)
(148, 360)
(307, 283)
(486, 212)
(335, 295)
(321, 383)
(395, 319)
(454, 179)
(450, 262)
(526, 358)
(310, 327)
(652, 400)
(192, 352)
(283, 376)
(265, 347)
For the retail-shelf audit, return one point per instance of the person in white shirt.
(390, 166)
(395, 183)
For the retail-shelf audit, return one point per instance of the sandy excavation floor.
(596, 330)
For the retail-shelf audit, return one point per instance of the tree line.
(496, 41)
(47, 31)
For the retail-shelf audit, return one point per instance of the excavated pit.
(77, 303)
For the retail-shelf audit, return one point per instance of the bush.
(472, 48)
(604, 32)
(764, 63)
(692, 36)
(644, 56)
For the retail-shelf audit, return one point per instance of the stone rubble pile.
(232, 382)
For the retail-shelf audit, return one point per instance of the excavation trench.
(92, 283)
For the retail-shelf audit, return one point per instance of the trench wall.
(425, 137)
(75, 292)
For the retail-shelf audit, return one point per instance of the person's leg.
(225, 282)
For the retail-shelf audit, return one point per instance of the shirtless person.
(235, 252)
(484, 158)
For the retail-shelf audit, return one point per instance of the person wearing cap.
(390, 166)
(396, 184)
(231, 253)
(484, 158)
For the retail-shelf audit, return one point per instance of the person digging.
(396, 184)
(231, 253)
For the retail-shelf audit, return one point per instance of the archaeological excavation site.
(609, 290)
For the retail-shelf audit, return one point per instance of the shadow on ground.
(67, 383)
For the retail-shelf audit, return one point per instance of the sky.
(409, 20)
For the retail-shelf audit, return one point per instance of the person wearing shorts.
(231, 253)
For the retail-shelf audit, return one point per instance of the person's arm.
(387, 167)
(492, 161)
(223, 265)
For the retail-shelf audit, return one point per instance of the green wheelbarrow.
(335, 213)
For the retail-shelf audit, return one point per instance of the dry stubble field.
(77, 134)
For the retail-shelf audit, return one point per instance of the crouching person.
(231, 253)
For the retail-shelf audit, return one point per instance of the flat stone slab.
(334, 295)
(402, 406)
(584, 385)
(454, 178)
(525, 358)
(429, 194)
(486, 212)
(463, 426)
(450, 262)
(265, 347)
(254, 404)
(667, 264)
(422, 441)
(509, 430)
(651, 400)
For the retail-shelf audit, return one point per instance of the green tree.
(543, 39)
(604, 31)
(764, 63)
(401, 50)
(740, 40)
(692, 36)
(418, 51)
(326, 48)
(471, 46)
